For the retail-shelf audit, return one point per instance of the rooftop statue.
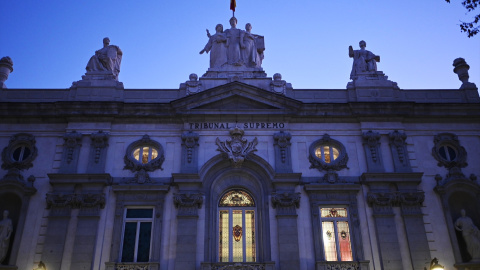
(234, 55)
(107, 58)
(470, 234)
(252, 56)
(363, 61)
(217, 46)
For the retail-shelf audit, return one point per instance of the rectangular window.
(137, 235)
(336, 234)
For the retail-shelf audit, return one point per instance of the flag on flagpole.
(233, 5)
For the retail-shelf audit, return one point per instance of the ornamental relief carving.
(99, 141)
(20, 152)
(74, 200)
(414, 198)
(190, 140)
(286, 200)
(372, 140)
(72, 141)
(237, 148)
(282, 139)
(188, 200)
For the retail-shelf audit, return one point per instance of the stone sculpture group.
(234, 47)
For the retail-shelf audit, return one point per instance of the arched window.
(236, 227)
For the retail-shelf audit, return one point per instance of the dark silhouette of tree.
(471, 28)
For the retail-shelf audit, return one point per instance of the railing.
(361, 265)
(132, 266)
(239, 266)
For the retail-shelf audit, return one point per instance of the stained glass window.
(236, 198)
(137, 234)
(336, 234)
(236, 226)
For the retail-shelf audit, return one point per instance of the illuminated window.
(336, 234)
(327, 153)
(137, 234)
(236, 227)
(145, 154)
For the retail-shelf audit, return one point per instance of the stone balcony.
(238, 266)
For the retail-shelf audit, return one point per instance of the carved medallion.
(237, 148)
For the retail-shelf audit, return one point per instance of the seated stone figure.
(363, 60)
(107, 58)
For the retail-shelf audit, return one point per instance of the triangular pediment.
(237, 97)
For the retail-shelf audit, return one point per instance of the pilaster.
(187, 218)
(286, 204)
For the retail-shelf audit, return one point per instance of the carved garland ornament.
(237, 148)
(286, 199)
(372, 140)
(75, 200)
(282, 139)
(99, 141)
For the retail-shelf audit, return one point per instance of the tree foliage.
(471, 28)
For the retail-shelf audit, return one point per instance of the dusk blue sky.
(51, 41)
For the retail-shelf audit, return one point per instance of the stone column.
(86, 233)
(388, 246)
(58, 220)
(286, 204)
(410, 203)
(187, 218)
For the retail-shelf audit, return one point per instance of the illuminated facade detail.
(336, 234)
(236, 227)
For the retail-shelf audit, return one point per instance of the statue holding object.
(217, 46)
(363, 61)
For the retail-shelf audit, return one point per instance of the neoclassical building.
(238, 170)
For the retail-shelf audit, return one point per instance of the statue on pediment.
(216, 45)
(252, 56)
(234, 55)
(107, 59)
(364, 61)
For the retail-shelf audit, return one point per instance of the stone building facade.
(238, 170)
